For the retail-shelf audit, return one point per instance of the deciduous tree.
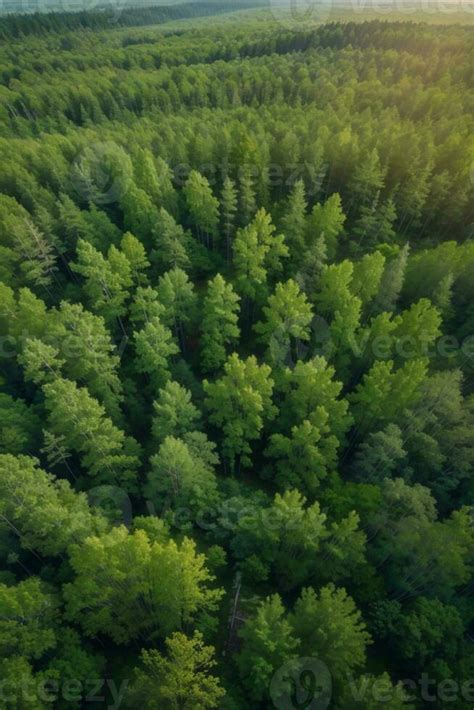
(128, 587)
(181, 679)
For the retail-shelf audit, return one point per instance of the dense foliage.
(237, 383)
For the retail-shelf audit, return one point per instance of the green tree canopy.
(240, 402)
(127, 586)
(180, 680)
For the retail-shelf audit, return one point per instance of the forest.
(236, 360)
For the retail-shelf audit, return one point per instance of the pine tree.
(243, 395)
(293, 223)
(380, 455)
(228, 211)
(180, 480)
(176, 294)
(73, 223)
(303, 458)
(313, 263)
(384, 393)
(367, 179)
(145, 306)
(174, 412)
(103, 448)
(219, 322)
(418, 328)
(392, 281)
(375, 224)
(136, 257)
(146, 176)
(442, 298)
(342, 309)
(89, 354)
(287, 319)
(154, 346)
(107, 281)
(140, 215)
(258, 255)
(41, 362)
(327, 220)
(247, 199)
(202, 206)
(154, 177)
(249, 263)
(310, 389)
(168, 196)
(299, 545)
(366, 277)
(169, 244)
(36, 254)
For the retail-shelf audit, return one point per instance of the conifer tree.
(327, 220)
(202, 206)
(228, 213)
(240, 402)
(219, 322)
(287, 319)
(392, 281)
(294, 220)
